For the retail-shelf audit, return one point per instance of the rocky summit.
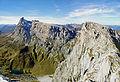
(94, 58)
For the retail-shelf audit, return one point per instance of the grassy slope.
(16, 56)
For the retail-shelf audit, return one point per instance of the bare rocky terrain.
(94, 58)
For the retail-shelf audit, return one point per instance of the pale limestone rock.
(95, 57)
(40, 30)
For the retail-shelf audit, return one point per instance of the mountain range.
(36, 48)
(5, 28)
(115, 27)
(87, 52)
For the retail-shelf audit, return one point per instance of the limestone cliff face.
(32, 31)
(39, 30)
(95, 57)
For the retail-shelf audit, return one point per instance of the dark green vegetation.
(16, 58)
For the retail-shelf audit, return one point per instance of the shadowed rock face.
(95, 57)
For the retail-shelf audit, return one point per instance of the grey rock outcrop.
(94, 58)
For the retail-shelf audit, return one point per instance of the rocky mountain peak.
(24, 23)
(21, 19)
(95, 57)
(30, 31)
(22, 31)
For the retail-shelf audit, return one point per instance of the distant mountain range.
(4, 28)
(115, 27)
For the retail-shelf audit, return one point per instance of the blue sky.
(61, 11)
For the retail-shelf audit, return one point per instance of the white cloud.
(77, 12)
(9, 19)
(52, 20)
(110, 15)
(45, 19)
(48, 19)
(100, 15)
(97, 19)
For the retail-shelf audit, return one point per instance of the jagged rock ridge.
(31, 31)
(95, 57)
